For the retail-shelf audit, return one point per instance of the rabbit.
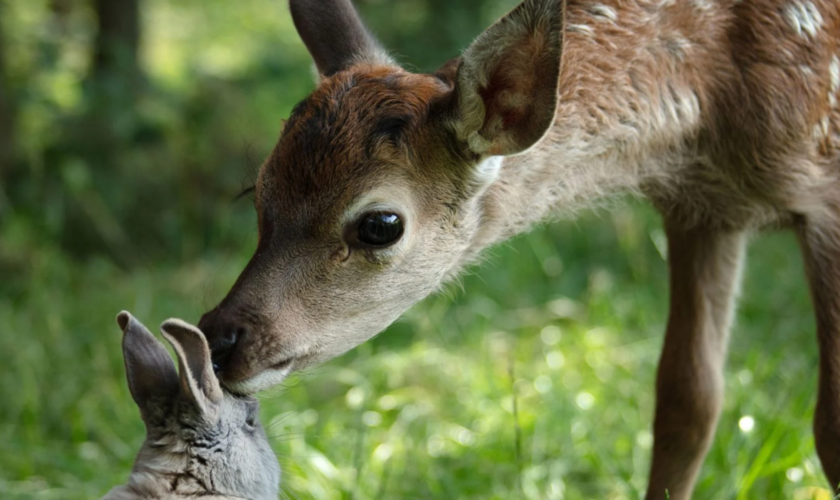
(200, 440)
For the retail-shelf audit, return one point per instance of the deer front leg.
(819, 237)
(704, 270)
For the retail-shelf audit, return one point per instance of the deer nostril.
(222, 347)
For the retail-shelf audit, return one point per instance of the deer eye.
(379, 229)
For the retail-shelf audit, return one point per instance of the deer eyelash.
(244, 192)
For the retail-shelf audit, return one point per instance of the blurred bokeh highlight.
(128, 128)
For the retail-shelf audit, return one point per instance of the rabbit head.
(200, 440)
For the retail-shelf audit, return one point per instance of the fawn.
(200, 441)
(385, 184)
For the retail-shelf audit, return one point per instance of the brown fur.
(723, 113)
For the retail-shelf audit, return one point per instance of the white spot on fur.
(703, 4)
(804, 18)
(678, 46)
(488, 170)
(821, 129)
(806, 70)
(787, 53)
(816, 132)
(834, 81)
(690, 105)
(604, 12)
(679, 106)
(659, 4)
(581, 28)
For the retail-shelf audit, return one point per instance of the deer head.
(372, 197)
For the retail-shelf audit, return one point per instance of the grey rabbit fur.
(200, 440)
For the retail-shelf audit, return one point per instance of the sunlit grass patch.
(532, 379)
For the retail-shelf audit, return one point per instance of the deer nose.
(222, 336)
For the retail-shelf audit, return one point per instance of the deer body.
(667, 103)
(385, 184)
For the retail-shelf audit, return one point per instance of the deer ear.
(507, 80)
(151, 374)
(198, 382)
(334, 35)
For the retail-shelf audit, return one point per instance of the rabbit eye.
(253, 418)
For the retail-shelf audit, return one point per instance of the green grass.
(532, 378)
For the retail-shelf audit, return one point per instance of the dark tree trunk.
(117, 40)
(115, 79)
(7, 112)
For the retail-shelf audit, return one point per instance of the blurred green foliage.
(531, 378)
(139, 160)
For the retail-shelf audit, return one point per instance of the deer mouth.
(283, 364)
(261, 380)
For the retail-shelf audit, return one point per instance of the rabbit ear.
(198, 382)
(151, 374)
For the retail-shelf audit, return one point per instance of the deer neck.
(628, 117)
